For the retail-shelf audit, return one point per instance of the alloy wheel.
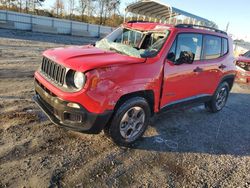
(221, 98)
(132, 123)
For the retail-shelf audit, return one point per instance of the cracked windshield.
(133, 42)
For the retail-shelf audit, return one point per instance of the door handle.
(222, 66)
(198, 69)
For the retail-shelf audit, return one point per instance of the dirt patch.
(9, 119)
(182, 148)
(25, 116)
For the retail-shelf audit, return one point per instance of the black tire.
(114, 128)
(213, 105)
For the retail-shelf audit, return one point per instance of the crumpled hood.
(84, 58)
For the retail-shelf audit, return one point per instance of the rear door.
(213, 62)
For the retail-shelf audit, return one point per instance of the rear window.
(212, 47)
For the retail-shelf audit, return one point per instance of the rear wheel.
(219, 98)
(129, 121)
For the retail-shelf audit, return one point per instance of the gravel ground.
(182, 148)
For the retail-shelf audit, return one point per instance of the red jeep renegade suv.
(138, 70)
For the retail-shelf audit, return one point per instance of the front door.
(182, 81)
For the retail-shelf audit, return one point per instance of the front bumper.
(61, 113)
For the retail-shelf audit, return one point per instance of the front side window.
(133, 42)
(186, 43)
(212, 47)
(225, 46)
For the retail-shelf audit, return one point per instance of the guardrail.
(28, 22)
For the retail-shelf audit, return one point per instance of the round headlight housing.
(79, 80)
(75, 80)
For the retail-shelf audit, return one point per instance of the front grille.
(53, 71)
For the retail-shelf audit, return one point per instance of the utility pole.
(227, 26)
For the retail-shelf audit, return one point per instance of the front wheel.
(129, 121)
(219, 98)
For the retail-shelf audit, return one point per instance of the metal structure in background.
(153, 10)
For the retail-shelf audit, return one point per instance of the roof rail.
(200, 26)
(138, 21)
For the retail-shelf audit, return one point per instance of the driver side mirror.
(185, 57)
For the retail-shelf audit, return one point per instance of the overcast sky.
(237, 13)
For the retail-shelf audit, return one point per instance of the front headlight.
(75, 79)
(79, 80)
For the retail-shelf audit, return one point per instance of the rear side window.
(225, 46)
(212, 47)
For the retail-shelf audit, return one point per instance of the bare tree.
(20, 5)
(107, 7)
(104, 12)
(82, 7)
(3, 4)
(90, 7)
(29, 5)
(7, 4)
(59, 7)
(102, 4)
(71, 8)
(114, 6)
(14, 4)
(35, 4)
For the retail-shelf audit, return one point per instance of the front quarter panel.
(107, 85)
